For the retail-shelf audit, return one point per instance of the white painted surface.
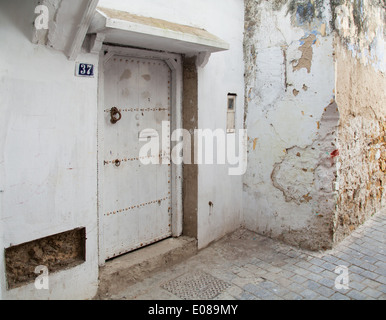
(143, 32)
(48, 136)
(47, 151)
(224, 73)
(137, 196)
(174, 63)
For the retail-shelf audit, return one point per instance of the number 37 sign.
(84, 70)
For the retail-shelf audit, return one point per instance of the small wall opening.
(231, 113)
(58, 252)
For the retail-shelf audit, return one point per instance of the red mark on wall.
(334, 154)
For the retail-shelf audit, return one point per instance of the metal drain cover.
(196, 286)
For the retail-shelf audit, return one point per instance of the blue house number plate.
(85, 70)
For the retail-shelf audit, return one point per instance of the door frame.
(174, 61)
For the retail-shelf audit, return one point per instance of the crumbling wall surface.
(56, 252)
(361, 96)
(292, 118)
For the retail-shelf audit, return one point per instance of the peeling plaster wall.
(361, 96)
(292, 120)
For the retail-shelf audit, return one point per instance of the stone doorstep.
(119, 273)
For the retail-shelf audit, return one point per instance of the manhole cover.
(196, 286)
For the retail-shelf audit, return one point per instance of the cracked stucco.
(289, 75)
(303, 186)
(307, 176)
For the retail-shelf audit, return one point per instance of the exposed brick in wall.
(362, 142)
(56, 253)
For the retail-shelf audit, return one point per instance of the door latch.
(115, 115)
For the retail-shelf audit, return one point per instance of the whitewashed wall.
(48, 136)
(222, 75)
(47, 151)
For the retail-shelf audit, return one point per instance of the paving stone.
(309, 294)
(312, 285)
(293, 296)
(267, 285)
(247, 296)
(314, 276)
(299, 279)
(370, 259)
(290, 267)
(303, 264)
(343, 263)
(301, 271)
(324, 291)
(317, 261)
(380, 271)
(279, 271)
(356, 269)
(380, 264)
(224, 296)
(380, 257)
(234, 291)
(284, 282)
(357, 285)
(240, 282)
(356, 277)
(344, 256)
(339, 296)
(371, 283)
(315, 269)
(372, 293)
(295, 287)
(369, 275)
(382, 289)
(356, 295)
(327, 282)
(279, 264)
(329, 275)
(329, 266)
(330, 259)
(257, 291)
(381, 279)
(367, 266)
(280, 291)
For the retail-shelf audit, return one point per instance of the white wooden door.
(136, 197)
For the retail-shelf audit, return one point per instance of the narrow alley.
(246, 266)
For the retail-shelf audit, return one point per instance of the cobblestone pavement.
(246, 266)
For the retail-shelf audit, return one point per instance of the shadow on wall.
(20, 14)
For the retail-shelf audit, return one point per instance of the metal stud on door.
(137, 197)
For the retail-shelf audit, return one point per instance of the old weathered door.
(136, 197)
